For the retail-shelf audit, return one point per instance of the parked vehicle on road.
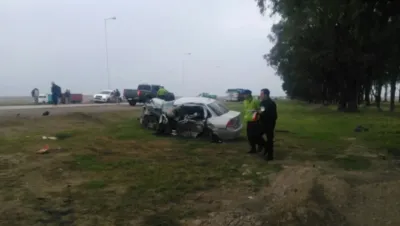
(43, 99)
(235, 95)
(76, 98)
(105, 96)
(143, 94)
(207, 95)
(192, 117)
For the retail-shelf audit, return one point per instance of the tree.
(335, 51)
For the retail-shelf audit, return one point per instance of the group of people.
(261, 116)
(56, 94)
(116, 94)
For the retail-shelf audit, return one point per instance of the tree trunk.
(378, 90)
(367, 91)
(399, 95)
(342, 103)
(361, 96)
(352, 100)
(393, 92)
(386, 93)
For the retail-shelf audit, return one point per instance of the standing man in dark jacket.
(55, 93)
(117, 96)
(268, 117)
(67, 96)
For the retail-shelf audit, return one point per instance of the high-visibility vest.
(251, 110)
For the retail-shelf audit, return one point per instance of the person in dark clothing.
(35, 95)
(117, 96)
(268, 117)
(67, 96)
(55, 93)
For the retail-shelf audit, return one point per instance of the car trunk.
(232, 116)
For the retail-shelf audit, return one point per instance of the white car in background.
(43, 98)
(103, 96)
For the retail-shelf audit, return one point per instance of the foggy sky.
(63, 41)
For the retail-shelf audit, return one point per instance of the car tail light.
(138, 92)
(230, 124)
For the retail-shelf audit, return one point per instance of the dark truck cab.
(143, 93)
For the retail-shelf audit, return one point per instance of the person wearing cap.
(251, 117)
(268, 117)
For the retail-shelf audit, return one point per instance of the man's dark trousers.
(54, 98)
(254, 135)
(269, 130)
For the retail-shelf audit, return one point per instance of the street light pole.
(105, 35)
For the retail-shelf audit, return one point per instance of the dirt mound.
(303, 196)
(297, 196)
(306, 196)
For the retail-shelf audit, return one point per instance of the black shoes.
(252, 151)
(268, 158)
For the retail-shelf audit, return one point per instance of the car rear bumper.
(229, 134)
(135, 99)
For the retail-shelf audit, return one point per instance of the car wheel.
(132, 103)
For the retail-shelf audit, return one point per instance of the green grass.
(119, 172)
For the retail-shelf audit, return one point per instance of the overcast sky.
(63, 41)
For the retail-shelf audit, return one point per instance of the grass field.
(105, 170)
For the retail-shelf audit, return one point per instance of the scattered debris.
(46, 113)
(383, 157)
(49, 138)
(349, 138)
(43, 150)
(246, 172)
(46, 149)
(63, 135)
(361, 129)
(18, 115)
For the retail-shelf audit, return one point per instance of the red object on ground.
(76, 98)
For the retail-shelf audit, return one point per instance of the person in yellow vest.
(162, 92)
(251, 117)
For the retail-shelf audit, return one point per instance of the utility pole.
(105, 35)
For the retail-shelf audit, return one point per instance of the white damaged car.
(192, 117)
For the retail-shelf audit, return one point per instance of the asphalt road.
(37, 110)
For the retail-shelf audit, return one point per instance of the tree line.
(343, 52)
